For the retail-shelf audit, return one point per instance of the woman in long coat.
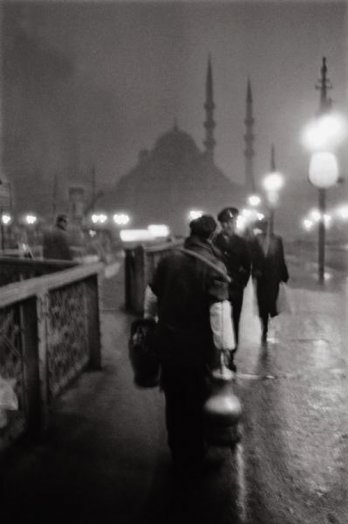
(268, 270)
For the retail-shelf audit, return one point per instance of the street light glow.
(241, 223)
(194, 213)
(30, 219)
(135, 235)
(158, 230)
(254, 200)
(246, 213)
(121, 219)
(315, 215)
(326, 132)
(273, 182)
(327, 219)
(6, 219)
(342, 212)
(307, 224)
(100, 218)
(323, 169)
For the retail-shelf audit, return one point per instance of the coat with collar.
(185, 288)
(235, 254)
(268, 259)
(268, 270)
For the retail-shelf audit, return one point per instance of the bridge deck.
(105, 458)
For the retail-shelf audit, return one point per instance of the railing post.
(42, 305)
(29, 343)
(139, 279)
(128, 275)
(93, 322)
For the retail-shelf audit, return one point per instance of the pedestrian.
(56, 244)
(268, 270)
(189, 293)
(236, 257)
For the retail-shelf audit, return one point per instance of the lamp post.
(323, 173)
(272, 184)
(322, 137)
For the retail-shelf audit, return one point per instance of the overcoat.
(185, 288)
(268, 270)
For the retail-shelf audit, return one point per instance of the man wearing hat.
(189, 295)
(236, 257)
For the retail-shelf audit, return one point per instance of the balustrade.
(49, 332)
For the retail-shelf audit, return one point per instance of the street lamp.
(30, 219)
(121, 219)
(6, 219)
(323, 173)
(272, 184)
(254, 200)
(322, 137)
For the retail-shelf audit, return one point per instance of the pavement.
(105, 458)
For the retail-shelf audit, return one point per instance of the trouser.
(236, 303)
(267, 293)
(185, 393)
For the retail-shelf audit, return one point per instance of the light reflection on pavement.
(294, 394)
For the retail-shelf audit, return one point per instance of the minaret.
(323, 86)
(249, 142)
(209, 107)
(273, 164)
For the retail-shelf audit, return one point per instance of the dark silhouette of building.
(175, 177)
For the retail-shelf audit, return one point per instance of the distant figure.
(236, 257)
(190, 296)
(268, 270)
(56, 241)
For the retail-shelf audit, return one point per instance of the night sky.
(126, 71)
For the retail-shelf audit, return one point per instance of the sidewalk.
(105, 459)
(97, 462)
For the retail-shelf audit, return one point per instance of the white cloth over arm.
(150, 303)
(221, 325)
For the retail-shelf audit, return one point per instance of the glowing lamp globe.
(323, 170)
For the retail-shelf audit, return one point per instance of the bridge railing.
(140, 263)
(15, 269)
(49, 332)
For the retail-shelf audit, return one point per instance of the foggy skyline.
(132, 69)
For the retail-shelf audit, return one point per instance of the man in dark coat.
(56, 241)
(268, 270)
(236, 257)
(190, 297)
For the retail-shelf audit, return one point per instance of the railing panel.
(49, 331)
(67, 345)
(11, 367)
(16, 269)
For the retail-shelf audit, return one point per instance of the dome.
(176, 143)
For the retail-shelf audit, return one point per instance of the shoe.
(231, 364)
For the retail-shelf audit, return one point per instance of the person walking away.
(268, 270)
(56, 243)
(189, 294)
(236, 257)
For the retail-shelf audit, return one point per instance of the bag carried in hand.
(283, 300)
(142, 353)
